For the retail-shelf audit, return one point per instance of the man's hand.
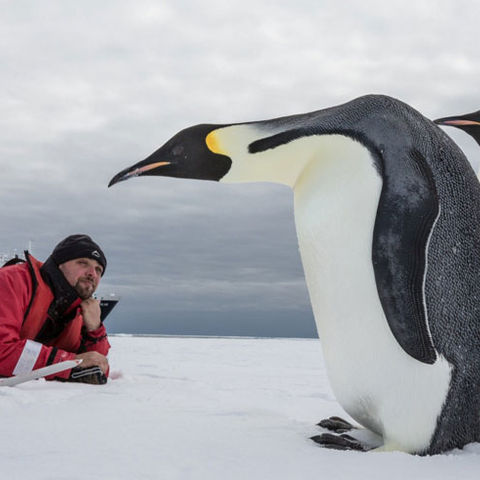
(90, 359)
(91, 313)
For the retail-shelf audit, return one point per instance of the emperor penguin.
(469, 123)
(387, 212)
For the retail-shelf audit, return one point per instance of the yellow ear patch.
(213, 143)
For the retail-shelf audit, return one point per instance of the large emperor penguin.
(387, 211)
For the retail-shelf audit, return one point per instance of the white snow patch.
(196, 408)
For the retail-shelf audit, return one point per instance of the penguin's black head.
(186, 155)
(469, 123)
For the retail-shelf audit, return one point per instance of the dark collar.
(65, 296)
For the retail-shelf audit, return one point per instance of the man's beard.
(84, 288)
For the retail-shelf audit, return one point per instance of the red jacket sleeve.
(19, 355)
(96, 340)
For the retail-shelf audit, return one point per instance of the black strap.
(52, 355)
(13, 261)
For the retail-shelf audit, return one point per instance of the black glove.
(93, 375)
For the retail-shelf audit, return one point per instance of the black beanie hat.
(78, 246)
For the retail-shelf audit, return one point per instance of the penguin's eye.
(178, 150)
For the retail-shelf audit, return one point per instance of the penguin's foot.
(360, 439)
(340, 442)
(336, 424)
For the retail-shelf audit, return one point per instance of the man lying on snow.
(48, 315)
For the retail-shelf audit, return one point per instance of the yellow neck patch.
(213, 143)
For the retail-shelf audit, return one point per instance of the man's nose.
(92, 272)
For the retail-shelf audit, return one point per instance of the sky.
(89, 88)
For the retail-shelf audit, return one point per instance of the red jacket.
(25, 298)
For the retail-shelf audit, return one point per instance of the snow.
(196, 408)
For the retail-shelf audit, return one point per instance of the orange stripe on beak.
(460, 122)
(146, 168)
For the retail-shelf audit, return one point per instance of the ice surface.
(196, 408)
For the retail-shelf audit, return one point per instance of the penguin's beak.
(186, 155)
(136, 170)
(456, 122)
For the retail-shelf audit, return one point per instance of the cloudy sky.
(89, 88)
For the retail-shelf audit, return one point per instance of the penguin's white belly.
(375, 381)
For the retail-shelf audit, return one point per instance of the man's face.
(83, 274)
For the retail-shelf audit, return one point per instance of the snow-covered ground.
(196, 408)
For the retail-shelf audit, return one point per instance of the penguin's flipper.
(406, 215)
(336, 424)
(340, 442)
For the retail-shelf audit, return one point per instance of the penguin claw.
(339, 442)
(336, 424)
